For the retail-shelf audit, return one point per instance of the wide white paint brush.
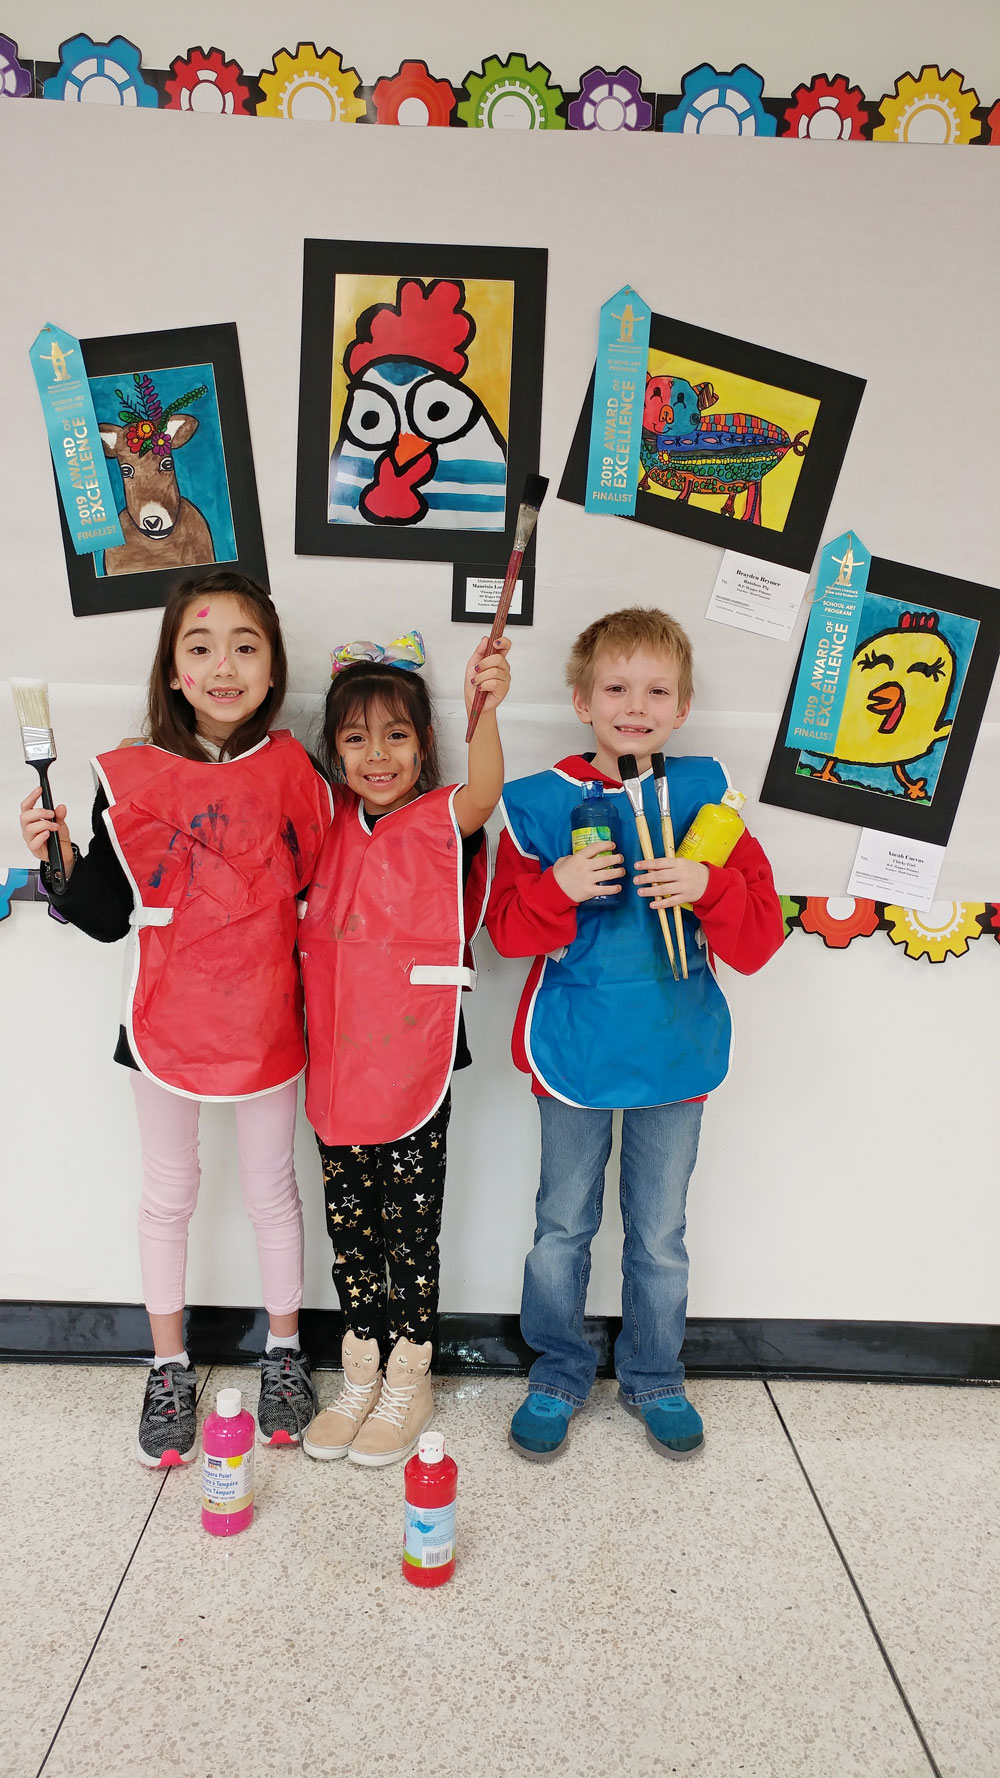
(31, 701)
(628, 771)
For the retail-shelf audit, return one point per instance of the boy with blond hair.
(602, 1026)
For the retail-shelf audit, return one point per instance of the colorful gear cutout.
(839, 919)
(204, 81)
(511, 96)
(413, 96)
(15, 81)
(12, 879)
(934, 108)
(944, 930)
(827, 110)
(791, 908)
(610, 102)
(993, 919)
(101, 74)
(311, 86)
(993, 124)
(715, 104)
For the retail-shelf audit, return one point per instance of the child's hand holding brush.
(670, 882)
(37, 824)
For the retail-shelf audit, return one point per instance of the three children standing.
(203, 841)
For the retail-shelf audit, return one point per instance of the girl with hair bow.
(397, 895)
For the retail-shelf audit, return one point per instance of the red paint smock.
(216, 853)
(384, 946)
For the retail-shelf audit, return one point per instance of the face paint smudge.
(203, 613)
(222, 662)
(188, 681)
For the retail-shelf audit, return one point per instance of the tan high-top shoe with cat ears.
(405, 1408)
(331, 1432)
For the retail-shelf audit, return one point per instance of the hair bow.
(407, 651)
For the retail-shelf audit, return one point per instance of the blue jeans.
(658, 1152)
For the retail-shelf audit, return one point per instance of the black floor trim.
(876, 1638)
(877, 1351)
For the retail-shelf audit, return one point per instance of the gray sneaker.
(287, 1397)
(168, 1429)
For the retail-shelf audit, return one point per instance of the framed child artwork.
(420, 397)
(920, 675)
(741, 446)
(172, 416)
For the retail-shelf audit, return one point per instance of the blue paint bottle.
(595, 819)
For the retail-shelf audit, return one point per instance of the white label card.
(483, 596)
(902, 872)
(759, 596)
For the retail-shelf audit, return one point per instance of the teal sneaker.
(538, 1429)
(673, 1426)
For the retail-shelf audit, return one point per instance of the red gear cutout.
(993, 124)
(413, 81)
(198, 69)
(836, 933)
(993, 907)
(428, 324)
(849, 106)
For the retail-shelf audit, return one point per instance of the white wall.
(846, 1163)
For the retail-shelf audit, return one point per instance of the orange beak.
(408, 446)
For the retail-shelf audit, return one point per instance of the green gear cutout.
(526, 95)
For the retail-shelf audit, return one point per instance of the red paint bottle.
(430, 1483)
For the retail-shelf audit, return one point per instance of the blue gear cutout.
(116, 64)
(721, 104)
(15, 879)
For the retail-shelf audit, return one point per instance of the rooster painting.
(416, 445)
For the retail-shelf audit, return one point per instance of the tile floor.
(816, 1596)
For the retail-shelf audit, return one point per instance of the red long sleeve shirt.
(529, 915)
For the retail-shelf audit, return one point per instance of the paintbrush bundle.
(658, 764)
(628, 771)
(31, 701)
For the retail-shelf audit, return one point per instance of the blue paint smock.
(608, 1026)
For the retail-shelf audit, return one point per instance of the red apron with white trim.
(384, 948)
(216, 853)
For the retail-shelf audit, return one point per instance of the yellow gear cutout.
(943, 930)
(313, 86)
(934, 108)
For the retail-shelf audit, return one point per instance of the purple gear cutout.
(610, 102)
(15, 81)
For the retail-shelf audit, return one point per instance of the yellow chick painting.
(897, 693)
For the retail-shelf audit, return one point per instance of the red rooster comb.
(919, 620)
(427, 324)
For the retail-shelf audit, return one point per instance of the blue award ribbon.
(619, 394)
(831, 638)
(75, 442)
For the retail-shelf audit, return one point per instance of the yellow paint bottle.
(715, 830)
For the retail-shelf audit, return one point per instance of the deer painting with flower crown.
(162, 529)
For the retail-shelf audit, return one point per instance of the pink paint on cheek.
(203, 613)
(188, 681)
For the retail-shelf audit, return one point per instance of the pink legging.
(168, 1132)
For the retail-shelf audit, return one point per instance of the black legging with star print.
(383, 1211)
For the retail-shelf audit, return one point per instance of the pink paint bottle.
(227, 1466)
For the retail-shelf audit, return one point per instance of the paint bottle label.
(227, 1482)
(589, 836)
(429, 1535)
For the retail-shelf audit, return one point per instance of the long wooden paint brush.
(31, 701)
(656, 760)
(628, 771)
(527, 514)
